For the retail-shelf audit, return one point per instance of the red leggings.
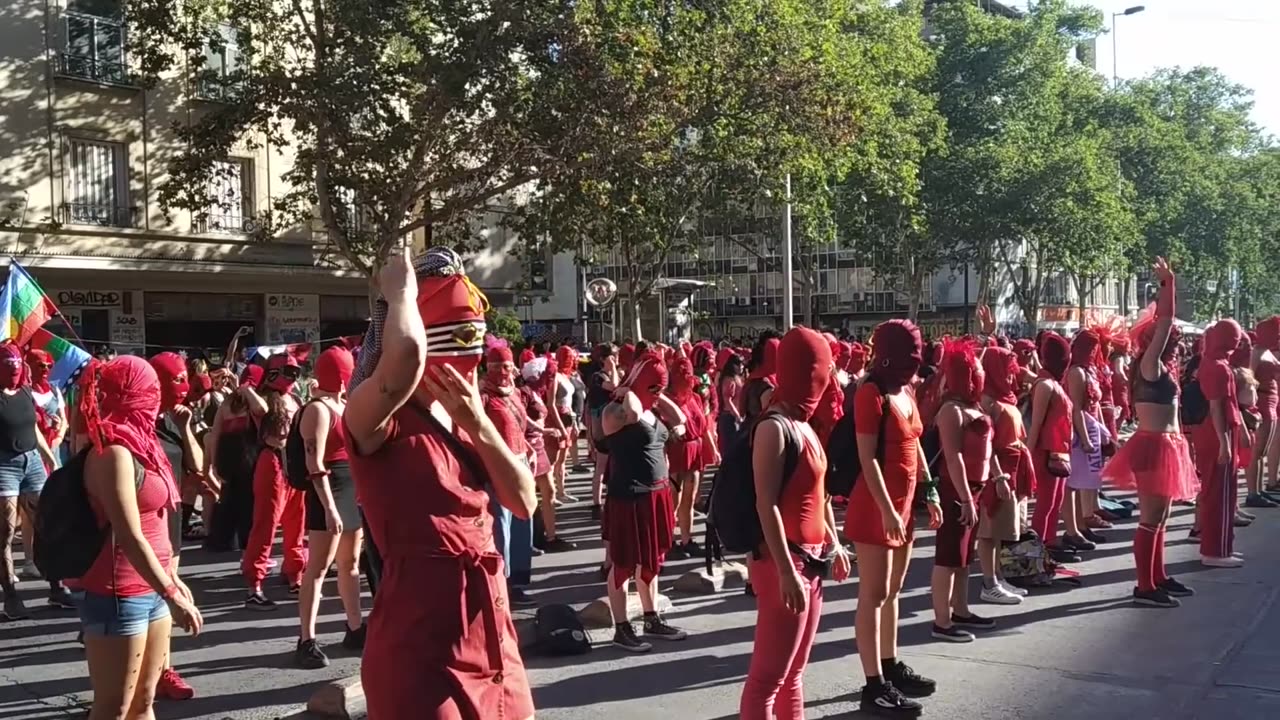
(276, 503)
(1050, 492)
(775, 680)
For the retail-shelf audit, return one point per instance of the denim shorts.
(22, 475)
(120, 616)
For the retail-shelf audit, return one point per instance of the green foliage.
(504, 324)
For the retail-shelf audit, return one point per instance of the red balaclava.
(282, 372)
(171, 370)
(843, 354)
(1243, 353)
(566, 360)
(1001, 368)
(252, 376)
(334, 368)
(200, 386)
(857, 358)
(647, 380)
(1269, 333)
(768, 367)
(722, 358)
(526, 355)
(683, 381)
(119, 405)
(1221, 339)
(896, 353)
(626, 357)
(40, 363)
(1084, 349)
(961, 371)
(500, 368)
(804, 369)
(1055, 355)
(1025, 350)
(10, 367)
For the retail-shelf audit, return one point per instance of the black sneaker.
(888, 701)
(693, 549)
(537, 552)
(973, 621)
(1176, 589)
(910, 682)
(309, 656)
(295, 589)
(748, 590)
(61, 598)
(258, 601)
(1193, 534)
(1063, 556)
(1154, 598)
(354, 639)
(1093, 537)
(558, 545)
(951, 634)
(1071, 542)
(655, 626)
(521, 599)
(624, 636)
(1259, 501)
(677, 552)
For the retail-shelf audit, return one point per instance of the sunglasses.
(291, 372)
(45, 366)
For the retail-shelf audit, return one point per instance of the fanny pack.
(814, 566)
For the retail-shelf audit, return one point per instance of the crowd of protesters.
(431, 459)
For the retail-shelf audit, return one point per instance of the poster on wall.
(292, 319)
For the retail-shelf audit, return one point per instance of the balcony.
(85, 67)
(229, 224)
(100, 215)
(217, 89)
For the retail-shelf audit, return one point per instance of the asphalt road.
(1081, 653)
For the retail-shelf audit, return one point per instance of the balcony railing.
(85, 67)
(229, 224)
(213, 88)
(102, 215)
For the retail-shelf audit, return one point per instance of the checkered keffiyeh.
(436, 262)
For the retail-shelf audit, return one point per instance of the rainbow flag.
(68, 359)
(23, 305)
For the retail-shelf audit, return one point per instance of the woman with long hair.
(684, 456)
(1215, 447)
(638, 510)
(1156, 460)
(1265, 362)
(334, 529)
(131, 594)
(879, 520)
(560, 398)
(729, 384)
(965, 434)
(1050, 441)
(441, 643)
(761, 376)
(230, 454)
(538, 376)
(799, 531)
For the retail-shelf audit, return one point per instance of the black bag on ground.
(733, 493)
(844, 465)
(558, 631)
(295, 453)
(67, 537)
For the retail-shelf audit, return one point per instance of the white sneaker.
(997, 595)
(1238, 555)
(1020, 592)
(1221, 562)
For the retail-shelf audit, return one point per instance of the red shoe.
(1096, 522)
(173, 687)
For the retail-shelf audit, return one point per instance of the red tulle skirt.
(639, 531)
(1155, 463)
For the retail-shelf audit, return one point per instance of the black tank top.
(1161, 391)
(17, 424)
(753, 396)
(637, 459)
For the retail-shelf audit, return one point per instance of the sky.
(1239, 37)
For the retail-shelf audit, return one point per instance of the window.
(97, 189)
(230, 190)
(94, 35)
(219, 77)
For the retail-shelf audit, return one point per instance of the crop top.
(1161, 391)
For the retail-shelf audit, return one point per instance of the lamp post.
(788, 285)
(1115, 65)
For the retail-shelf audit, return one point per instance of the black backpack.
(1194, 409)
(844, 465)
(295, 453)
(732, 511)
(558, 631)
(67, 537)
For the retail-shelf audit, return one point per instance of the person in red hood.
(1002, 501)
(51, 410)
(857, 364)
(1156, 460)
(441, 643)
(879, 519)
(684, 456)
(1215, 446)
(638, 510)
(626, 356)
(1085, 389)
(543, 434)
(560, 397)
(1266, 369)
(964, 431)
(1050, 440)
(505, 409)
(761, 376)
(798, 525)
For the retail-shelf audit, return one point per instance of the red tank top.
(335, 446)
(803, 499)
(1055, 432)
(975, 452)
(112, 573)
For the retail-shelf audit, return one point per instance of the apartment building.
(83, 153)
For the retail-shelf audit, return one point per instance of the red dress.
(684, 454)
(441, 644)
(899, 464)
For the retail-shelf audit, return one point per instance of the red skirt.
(684, 457)
(1155, 463)
(639, 531)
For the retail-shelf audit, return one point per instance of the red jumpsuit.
(276, 503)
(1217, 506)
(441, 644)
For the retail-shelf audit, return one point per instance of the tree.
(401, 116)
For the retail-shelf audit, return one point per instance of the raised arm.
(1152, 365)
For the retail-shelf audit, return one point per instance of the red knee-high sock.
(1158, 575)
(1143, 554)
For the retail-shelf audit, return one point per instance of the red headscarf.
(647, 379)
(566, 360)
(768, 367)
(1084, 349)
(1025, 350)
(722, 358)
(277, 376)
(804, 369)
(843, 353)
(682, 379)
(120, 404)
(896, 350)
(200, 386)
(171, 370)
(39, 363)
(626, 356)
(701, 357)
(1055, 355)
(1001, 368)
(960, 369)
(252, 376)
(10, 366)
(1221, 339)
(1269, 333)
(334, 368)
(857, 358)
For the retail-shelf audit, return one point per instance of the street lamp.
(1115, 73)
(787, 283)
